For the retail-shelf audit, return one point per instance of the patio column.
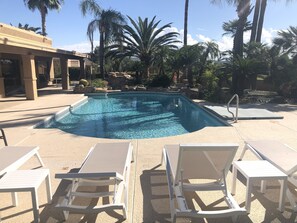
(64, 73)
(82, 68)
(51, 69)
(2, 87)
(29, 76)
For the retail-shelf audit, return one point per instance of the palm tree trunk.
(255, 21)
(43, 18)
(190, 76)
(203, 62)
(261, 20)
(101, 55)
(238, 81)
(186, 22)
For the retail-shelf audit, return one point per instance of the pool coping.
(60, 114)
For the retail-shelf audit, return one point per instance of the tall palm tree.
(143, 40)
(186, 22)
(258, 20)
(108, 22)
(43, 6)
(287, 41)
(243, 8)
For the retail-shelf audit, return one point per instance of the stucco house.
(26, 61)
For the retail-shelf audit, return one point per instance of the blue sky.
(67, 28)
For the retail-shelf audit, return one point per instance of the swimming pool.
(134, 116)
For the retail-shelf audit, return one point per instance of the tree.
(143, 40)
(189, 56)
(43, 6)
(243, 8)
(29, 28)
(287, 41)
(231, 26)
(186, 22)
(258, 56)
(258, 20)
(211, 49)
(108, 22)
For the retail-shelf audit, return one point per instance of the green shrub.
(160, 81)
(84, 82)
(289, 89)
(209, 89)
(99, 83)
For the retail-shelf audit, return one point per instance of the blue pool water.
(135, 116)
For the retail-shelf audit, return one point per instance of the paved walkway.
(148, 202)
(245, 112)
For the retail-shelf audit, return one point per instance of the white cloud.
(203, 38)
(82, 47)
(268, 35)
(225, 43)
(191, 40)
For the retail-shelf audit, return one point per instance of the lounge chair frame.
(177, 185)
(3, 137)
(119, 182)
(15, 156)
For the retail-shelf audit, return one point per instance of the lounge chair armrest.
(71, 176)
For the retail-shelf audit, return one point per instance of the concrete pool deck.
(148, 198)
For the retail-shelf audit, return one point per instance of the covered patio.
(27, 61)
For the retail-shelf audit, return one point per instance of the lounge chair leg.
(35, 205)
(14, 199)
(173, 219)
(48, 189)
(39, 159)
(242, 153)
(124, 213)
(290, 196)
(65, 215)
(263, 186)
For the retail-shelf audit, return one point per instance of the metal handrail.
(235, 118)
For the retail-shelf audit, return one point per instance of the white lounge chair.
(13, 157)
(13, 180)
(199, 167)
(281, 156)
(106, 164)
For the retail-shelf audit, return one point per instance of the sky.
(67, 28)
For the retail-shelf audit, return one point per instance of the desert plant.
(100, 83)
(84, 82)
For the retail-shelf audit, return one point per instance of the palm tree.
(29, 28)
(287, 41)
(108, 22)
(189, 56)
(231, 26)
(258, 20)
(143, 41)
(43, 6)
(243, 8)
(186, 22)
(211, 50)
